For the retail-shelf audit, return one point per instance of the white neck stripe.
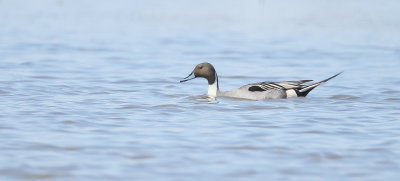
(213, 88)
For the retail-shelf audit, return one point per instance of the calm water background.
(89, 90)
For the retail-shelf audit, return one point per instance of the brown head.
(205, 70)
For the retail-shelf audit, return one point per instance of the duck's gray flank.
(254, 91)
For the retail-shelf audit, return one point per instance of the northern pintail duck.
(255, 91)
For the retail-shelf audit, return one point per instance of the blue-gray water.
(89, 90)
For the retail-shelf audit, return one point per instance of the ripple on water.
(68, 122)
(316, 132)
(51, 147)
(100, 93)
(167, 106)
(124, 90)
(392, 99)
(57, 113)
(131, 107)
(168, 109)
(36, 175)
(125, 81)
(43, 77)
(139, 157)
(26, 63)
(317, 157)
(3, 92)
(344, 97)
(242, 173)
(176, 95)
(390, 92)
(265, 107)
(242, 148)
(344, 87)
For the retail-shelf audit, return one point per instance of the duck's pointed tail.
(307, 89)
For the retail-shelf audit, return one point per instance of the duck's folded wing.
(292, 84)
(264, 86)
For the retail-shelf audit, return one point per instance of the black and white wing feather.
(264, 86)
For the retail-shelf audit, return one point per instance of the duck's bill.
(189, 77)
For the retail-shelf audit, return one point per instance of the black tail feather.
(307, 89)
(304, 94)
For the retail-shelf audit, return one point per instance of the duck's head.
(205, 70)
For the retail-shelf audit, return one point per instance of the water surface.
(90, 90)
